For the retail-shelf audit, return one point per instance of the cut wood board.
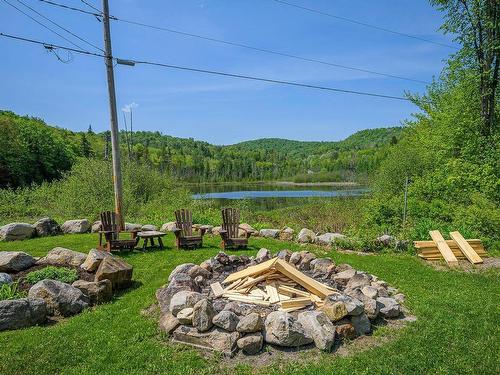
(272, 292)
(443, 247)
(466, 248)
(451, 243)
(251, 271)
(217, 289)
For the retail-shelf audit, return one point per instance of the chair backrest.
(231, 221)
(184, 222)
(110, 222)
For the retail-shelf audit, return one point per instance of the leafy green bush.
(11, 291)
(66, 275)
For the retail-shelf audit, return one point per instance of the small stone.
(306, 236)
(149, 228)
(196, 271)
(15, 261)
(263, 255)
(96, 227)
(295, 258)
(284, 255)
(5, 278)
(345, 331)
(283, 330)
(318, 326)
(203, 314)
(251, 344)
(168, 323)
(185, 316)
(400, 297)
(250, 323)
(226, 320)
(286, 234)
(322, 267)
(248, 228)
(342, 278)
(168, 227)
(385, 240)
(76, 226)
(353, 305)
(179, 283)
(181, 268)
(361, 324)
(306, 260)
(269, 233)
(370, 291)
(372, 308)
(389, 307)
(328, 238)
(184, 299)
(359, 280)
(132, 227)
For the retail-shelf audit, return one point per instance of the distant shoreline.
(284, 183)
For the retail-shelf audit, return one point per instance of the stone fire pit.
(199, 308)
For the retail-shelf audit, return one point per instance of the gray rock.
(353, 306)
(5, 278)
(94, 259)
(115, 270)
(306, 236)
(149, 228)
(15, 261)
(98, 292)
(197, 271)
(334, 310)
(185, 316)
(343, 277)
(370, 291)
(181, 268)
(283, 330)
(295, 258)
(286, 234)
(318, 326)
(328, 238)
(17, 231)
(385, 239)
(250, 323)
(47, 227)
(249, 229)
(226, 320)
(361, 324)
(400, 297)
(359, 280)
(203, 315)
(168, 227)
(96, 227)
(22, 313)
(306, 260)
(269, 233)
(168, 323)
(284, 254)
(179, 282)
(390, 308)
(263, 255)
(184, 299)
(251, 344)
(322, 267)
(216, 339)
(372, 308)
(76, 226)
(132, 227)
(63, 257)
(62, 299)
(345, 330)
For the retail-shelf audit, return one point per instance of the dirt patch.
(464, 265)
(25, 286)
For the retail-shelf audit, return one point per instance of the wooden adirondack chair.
(184, 237)
(111, 234)
(230, 230)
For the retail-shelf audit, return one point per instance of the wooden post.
(115, 142)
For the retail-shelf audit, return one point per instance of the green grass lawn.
(457, 331)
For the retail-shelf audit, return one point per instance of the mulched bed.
(25, 286)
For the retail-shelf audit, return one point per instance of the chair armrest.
(223, 233)
(105, 231)
(247, 233)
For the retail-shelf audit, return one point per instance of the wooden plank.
(296, 302)
(466, 248)
(283, 297)
(292, 291)
(252, 281)
(217, 289)
(443, 247)
(305, 281)
(290, 309)
(248, 300)
(451, 243)
(251, 271)
(236, 283)
(272, 291)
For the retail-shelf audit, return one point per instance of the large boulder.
(62, 299)
(76, 226)
(132, 227)
(250, 323)
(226, 320)
(251, 344)
(203, 315)
(390, 308)
(63, 257)
(22, 313)
(47, 227)
(181, 268)
(328, 238)
(96, 227)
(168, 227)
(269, 233)
(15, 261)
(97, 291)
(306, 236)
(216, 339)
(149, 228)
(115, 270)
(283, 330)
(184, 299)
(318, 326)
(179, 282)
(5, 278)
(286, 234)
(17, 231)
(94, 259)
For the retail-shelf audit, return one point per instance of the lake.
(271, 195)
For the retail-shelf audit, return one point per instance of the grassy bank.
(456, 331)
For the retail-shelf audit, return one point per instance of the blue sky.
(224, 110)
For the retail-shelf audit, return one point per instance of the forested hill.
(43, 153)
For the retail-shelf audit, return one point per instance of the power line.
(264, 50)
(72, 8)
(91, 6)
(61, 27)
(42, 24)
(380, 28)
(212, 72)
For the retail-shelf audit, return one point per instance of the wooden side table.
(150, 236)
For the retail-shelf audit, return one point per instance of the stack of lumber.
(451, 250)
(274, 282)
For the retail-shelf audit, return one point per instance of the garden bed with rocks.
(65, 283)
(192, 313)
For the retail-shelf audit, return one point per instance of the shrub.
(66, 275)
(11, 291)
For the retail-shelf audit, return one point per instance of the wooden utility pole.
(115, 143)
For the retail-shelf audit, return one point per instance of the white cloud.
(128, 107)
